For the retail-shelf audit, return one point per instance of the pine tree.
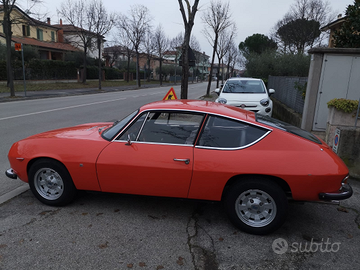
(348, 36)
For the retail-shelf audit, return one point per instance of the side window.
(220, 132)
(134, 129)
(171, 127)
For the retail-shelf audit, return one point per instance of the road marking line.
(60, 109)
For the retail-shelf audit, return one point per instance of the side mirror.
(271, 91)
(128, 140)
(217, 91)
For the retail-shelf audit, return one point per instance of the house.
(45, 37)
(114, 55)
(75, 36)
(333, 26)
(201, 61)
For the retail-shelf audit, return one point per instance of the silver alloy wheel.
(255, 208)
(48, 183)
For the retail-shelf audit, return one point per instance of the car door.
(154, 156)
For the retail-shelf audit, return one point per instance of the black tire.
(51, 182)
(256, 205)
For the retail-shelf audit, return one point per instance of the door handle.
(187, 161)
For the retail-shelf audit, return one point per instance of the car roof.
(243, 79)
(200, 106)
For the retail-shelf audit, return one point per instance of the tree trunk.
(137, 69)
(128, 69)
(185, 69)
(175, 67)
(8, 35)
(84, 73)
(212, 65)
(99, 54)
(160, 68)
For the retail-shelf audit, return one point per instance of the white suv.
(247, 93)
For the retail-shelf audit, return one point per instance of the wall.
(285, 114)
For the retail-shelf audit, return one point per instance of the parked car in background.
(190, 149)
(247, 93)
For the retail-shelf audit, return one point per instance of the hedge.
(54, 70)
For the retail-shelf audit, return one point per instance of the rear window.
(286, 127)
(244, 86)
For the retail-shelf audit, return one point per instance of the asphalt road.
(114, 231)
(20, 119)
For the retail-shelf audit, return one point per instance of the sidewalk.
(5, 97)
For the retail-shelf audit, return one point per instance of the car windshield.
(244, 86)
(111, 132)
(286, 127)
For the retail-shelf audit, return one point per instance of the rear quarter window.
(225, 133)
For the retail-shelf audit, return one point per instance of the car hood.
(76, 132)
(246, 97)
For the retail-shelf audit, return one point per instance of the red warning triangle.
(170, 94)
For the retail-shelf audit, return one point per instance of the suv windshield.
(244, 86)
(286, 127)
(111, 132)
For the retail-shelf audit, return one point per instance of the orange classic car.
(191, 149)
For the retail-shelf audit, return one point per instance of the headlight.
(265, 102)
(221, 100)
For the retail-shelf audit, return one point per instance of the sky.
(250, 17)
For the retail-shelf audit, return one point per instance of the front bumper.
(345, 192)
(11, 174)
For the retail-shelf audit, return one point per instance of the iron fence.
(286, 91)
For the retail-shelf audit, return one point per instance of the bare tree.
(175, 44)
(161, 46)
(216, 19)
(149, 48)
(126, 47)
(231, 58)
(103, 24)
(194, 44)
(7, 7)
(225, 39)
(188, 24)
(80, 15)
(136, 26)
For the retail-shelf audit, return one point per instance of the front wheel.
(51, 183)
(256, 206)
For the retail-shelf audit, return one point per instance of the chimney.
(339, 16)
(48, 20)
(60, 33)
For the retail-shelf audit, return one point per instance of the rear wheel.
(51, 183)
(256, 205)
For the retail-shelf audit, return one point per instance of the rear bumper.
(11, 174)
(345, 192)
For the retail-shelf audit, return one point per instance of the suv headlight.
(221, 100)
(265, 102)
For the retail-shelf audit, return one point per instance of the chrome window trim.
(234, 148)
(142, 125)
(157, 143)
